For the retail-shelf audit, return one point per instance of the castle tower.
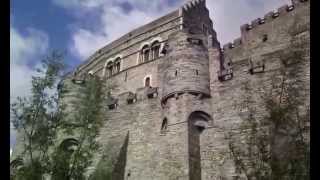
(185, 94)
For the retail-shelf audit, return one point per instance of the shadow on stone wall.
(120, 166)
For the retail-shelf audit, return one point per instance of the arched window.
(69, 144)
(197, 123)
(155, 49)
(145, 54)
(147, 82)
(117, 65)
(109, 69)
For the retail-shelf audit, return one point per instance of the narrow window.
(147, 82)
(109, 69)
(144, 54)
(117, 65)
(176, 73)
(197, 72)
(125, 77)
(164, 125)
(155, 48)
(204, 29)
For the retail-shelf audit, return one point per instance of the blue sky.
(80, 27)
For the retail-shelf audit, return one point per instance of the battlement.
(191, 4)
(268, 18)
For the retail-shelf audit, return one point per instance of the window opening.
(147, 82)
(144, 54)
(125, 77)
(265, 38)
(117, 65)
(164, 125)
(155, 49)
(109, 69)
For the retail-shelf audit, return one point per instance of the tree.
(37, 117)
(73, 158)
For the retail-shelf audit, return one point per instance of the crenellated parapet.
(268, 18)
(191, 4)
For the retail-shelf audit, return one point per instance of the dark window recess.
(152, 92)
(117, 65)
(109, 69)
(146, 55)
(126, 77)
(204, 29)
(112, 103)
(147, 82)
(164, 125)
(256, 67)
(195, 41)
(265, 38)
(165, 49)
(225, 75)
(131, 98)
(155, 48)
(112, 106)
(130, 101)
(176, 73)
(197, 72)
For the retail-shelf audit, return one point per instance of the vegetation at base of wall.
(71, 160)
(42, 118)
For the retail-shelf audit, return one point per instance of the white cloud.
(227, 15)
(84, 43)
(113, 21)
(78, 3)
(23, 48)
(22, 51)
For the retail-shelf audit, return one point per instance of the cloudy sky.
(80, 27)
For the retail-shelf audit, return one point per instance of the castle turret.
(186, 69)
(185, 98)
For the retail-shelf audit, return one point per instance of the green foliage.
(37, 117)
(30, 171)
(87, 118)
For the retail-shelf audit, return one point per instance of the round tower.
(186, 68)
(185, 93)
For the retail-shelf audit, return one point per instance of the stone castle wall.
(178, 150)
(178, 131)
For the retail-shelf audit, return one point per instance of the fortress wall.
(150, 154)
(228, 97)
(136, 77)
(278, 30)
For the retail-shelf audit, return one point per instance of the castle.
(178, 91)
